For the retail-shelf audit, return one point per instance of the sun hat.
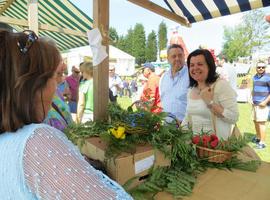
(149, 65)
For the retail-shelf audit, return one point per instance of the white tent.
(124, 63)
(242, 69)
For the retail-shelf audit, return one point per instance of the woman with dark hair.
(38, 161)
(212, 104)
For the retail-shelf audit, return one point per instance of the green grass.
(124, 101)
(244, 123)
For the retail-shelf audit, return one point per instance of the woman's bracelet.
(209, 105)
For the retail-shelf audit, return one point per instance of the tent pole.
(101, 72)
(33, 15)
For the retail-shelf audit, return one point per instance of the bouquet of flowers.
(213, 149)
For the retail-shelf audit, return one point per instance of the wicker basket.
(212, 155)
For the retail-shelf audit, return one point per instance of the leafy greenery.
(121, 44)
(79, 132)
(113, 35)
(246, 37)
(139, 43)
(234, 162)
(129, 48)
(151, 47)
(169, 179)
(134, 42)
(179, 178)
(162, 36)
(125, 43)
(232, 144)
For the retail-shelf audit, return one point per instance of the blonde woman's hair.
(87, 67)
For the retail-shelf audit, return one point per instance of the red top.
(151, 93)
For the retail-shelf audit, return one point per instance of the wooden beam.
(8, 3)
(67, 31)
(13, 21)
(44, 27)
(101, 72)
(161, 11)
(33, 15)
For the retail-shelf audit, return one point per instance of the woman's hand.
(216, 110)
(206, 95)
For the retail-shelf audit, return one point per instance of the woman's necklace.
(199, 90)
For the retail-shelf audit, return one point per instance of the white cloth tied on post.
(98, 50)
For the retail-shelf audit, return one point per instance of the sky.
(124, 15)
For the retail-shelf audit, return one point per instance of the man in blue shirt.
(174, 83)
(261, 101)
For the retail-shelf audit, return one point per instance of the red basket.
(212, 155)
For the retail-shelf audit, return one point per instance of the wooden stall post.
(101, 72)
(33, 15)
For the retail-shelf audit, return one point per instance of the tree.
(247, 37)
(121, 43)
(236, 45)
(162, 36)
(125, 42)
(151, 47)
(129, 42)
(139, 43)
(113, 35)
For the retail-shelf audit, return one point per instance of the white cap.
(111, 66)
(261, 64)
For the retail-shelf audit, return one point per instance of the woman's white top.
(39, 162)
(199, 116)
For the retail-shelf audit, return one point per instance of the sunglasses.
(76, 72)
(260, 67)
(31, 38)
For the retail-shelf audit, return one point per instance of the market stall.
(210, 184)
(153, 158)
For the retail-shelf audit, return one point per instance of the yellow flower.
(121, 130)
(123, 136)
(118, 133)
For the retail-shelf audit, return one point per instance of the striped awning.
(199, 10)
(55, 13)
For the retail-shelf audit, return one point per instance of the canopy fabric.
(199, 10)
(59, 13)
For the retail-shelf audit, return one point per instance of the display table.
(243, 95)
(217, 184)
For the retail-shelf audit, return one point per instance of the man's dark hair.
(173, 46)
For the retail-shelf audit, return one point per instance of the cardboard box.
(164, 196)
(126, 165)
